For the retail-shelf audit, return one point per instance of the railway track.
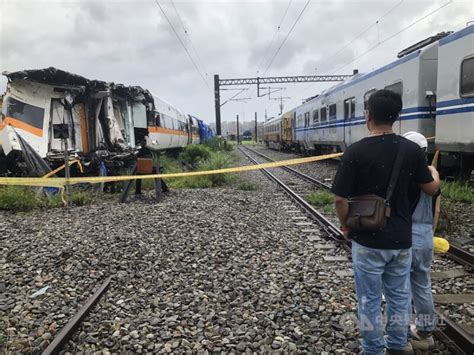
(456, 338)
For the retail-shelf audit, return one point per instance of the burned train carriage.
(104, 125)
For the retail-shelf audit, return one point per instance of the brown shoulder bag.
(370, 212)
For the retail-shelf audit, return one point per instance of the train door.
(58, 115)
(349, 114)
(306, 130)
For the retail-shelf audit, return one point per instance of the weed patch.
(320, 198)
(195, 154)
(457, 191)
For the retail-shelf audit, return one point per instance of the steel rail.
(461, 256)
(332, 230)
(455, 253)
(65, 334)
(456, 338)
(293, 171)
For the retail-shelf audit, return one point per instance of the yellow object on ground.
(441, 245)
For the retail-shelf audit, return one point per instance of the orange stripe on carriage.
(21, 125)
(167, 131)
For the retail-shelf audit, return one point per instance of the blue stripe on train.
(358, 121)
(455, 102)
(454, 110)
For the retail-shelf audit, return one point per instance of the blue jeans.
(374, 270)
(420, 280)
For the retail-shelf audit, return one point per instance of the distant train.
(435, 78)
(106, 124)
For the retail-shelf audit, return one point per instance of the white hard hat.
(417, 138)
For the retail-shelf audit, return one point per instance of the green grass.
(457, 191)
(210, 160)
(320, 198)
(218, 144)
(195, 154)
(18, 198)
(323, 200)
(24, 199)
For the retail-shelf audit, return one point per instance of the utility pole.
(217, 103)
(238, 130)
(256, 140)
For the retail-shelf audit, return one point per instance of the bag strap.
(395, 171)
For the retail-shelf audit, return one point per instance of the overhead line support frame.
(265, 80)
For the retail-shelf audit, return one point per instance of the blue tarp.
(205, 132)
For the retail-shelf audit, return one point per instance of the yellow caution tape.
(59, 182)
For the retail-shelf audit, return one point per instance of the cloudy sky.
(132, 42)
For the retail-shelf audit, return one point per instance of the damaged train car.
(106, 124)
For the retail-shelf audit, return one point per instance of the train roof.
(51, 76)
(412, 55)
(272, 120)
(457, 35)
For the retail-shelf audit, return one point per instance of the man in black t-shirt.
(382, 259)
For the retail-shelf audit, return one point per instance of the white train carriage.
(335, 119)
(455, 94)
(169, 129)
(272, 133)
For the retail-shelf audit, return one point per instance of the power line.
(327, 60)
(395, 34)
(362, 33)
(182, 44)
(189, 37)
(274, 36)
(286, 37)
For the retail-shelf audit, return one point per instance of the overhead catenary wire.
(182, 44)
(262, 61)
(395, 34)
(287, 35)
(355, 38)
(190, 40)
(267, 50)
(359, 35)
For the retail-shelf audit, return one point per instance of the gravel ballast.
(204, 270)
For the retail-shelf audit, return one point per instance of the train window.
(315, 116)
(349, 108)
(332, 112)
(158, 119)
(467, 77)
(300, 119)
(139, 115)
(306, 119)
(324, 117)
(150, 118)
(366, 97)
(29, 114)
(396, 88)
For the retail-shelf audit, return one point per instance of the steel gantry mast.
(265, 80)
